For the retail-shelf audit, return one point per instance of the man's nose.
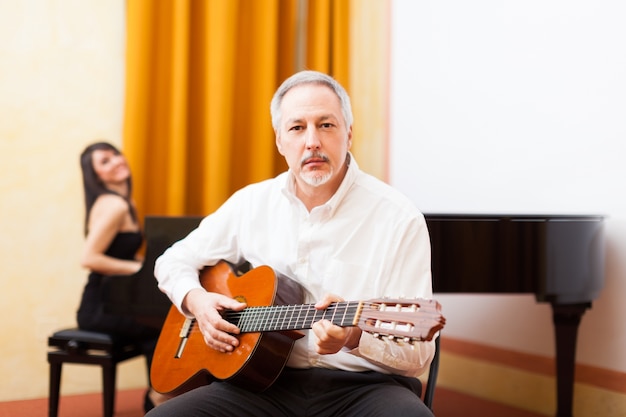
(312, 139)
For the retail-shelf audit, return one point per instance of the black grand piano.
(558, 258)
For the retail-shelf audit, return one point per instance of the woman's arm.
(109, 215)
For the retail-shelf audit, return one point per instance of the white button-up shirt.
(368, 241)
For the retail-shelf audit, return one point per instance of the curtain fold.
(199, 79)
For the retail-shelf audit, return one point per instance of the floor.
(129, 404)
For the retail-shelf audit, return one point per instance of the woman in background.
(113, 237)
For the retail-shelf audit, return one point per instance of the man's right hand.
(207, 307)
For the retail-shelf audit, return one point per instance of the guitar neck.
(293, 317)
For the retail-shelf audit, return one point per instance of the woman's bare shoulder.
(112, 204)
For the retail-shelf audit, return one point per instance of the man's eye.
(327, 125)
(295, 128)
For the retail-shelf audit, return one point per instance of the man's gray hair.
(310, 77)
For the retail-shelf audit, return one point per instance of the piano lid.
(559, 258)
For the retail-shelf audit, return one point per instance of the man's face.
(313, 136)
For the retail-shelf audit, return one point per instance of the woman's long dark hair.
(92, 184)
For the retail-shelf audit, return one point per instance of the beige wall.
(61, 87)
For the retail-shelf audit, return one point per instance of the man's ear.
(350, 138)
(279, 144)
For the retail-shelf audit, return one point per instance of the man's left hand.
(331, 338)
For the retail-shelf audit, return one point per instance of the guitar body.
(254, 364)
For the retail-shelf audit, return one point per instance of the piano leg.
(566, 318)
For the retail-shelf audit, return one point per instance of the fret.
(297, 321)
(343, 316)
(306, 317)
(284, 322)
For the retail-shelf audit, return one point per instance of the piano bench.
(87, 348)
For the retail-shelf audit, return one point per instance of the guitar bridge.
(184, 337)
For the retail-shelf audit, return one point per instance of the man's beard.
(316, 178)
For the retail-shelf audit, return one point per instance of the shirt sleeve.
(177, 269)
(409, 360)
(409, 276)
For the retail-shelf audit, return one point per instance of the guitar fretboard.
(293, 317)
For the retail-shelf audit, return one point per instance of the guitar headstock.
(402, 320)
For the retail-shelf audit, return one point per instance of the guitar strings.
(274, 318)
(266, 318)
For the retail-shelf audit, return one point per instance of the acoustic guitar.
(269, 327)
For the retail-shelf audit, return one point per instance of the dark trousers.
(306, 392)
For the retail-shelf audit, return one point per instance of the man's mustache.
(314, 155)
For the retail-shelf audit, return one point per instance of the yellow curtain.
(199, 79)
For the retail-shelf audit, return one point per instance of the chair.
(429, 393)
(87, 348)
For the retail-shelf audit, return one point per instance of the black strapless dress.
(91, 315)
